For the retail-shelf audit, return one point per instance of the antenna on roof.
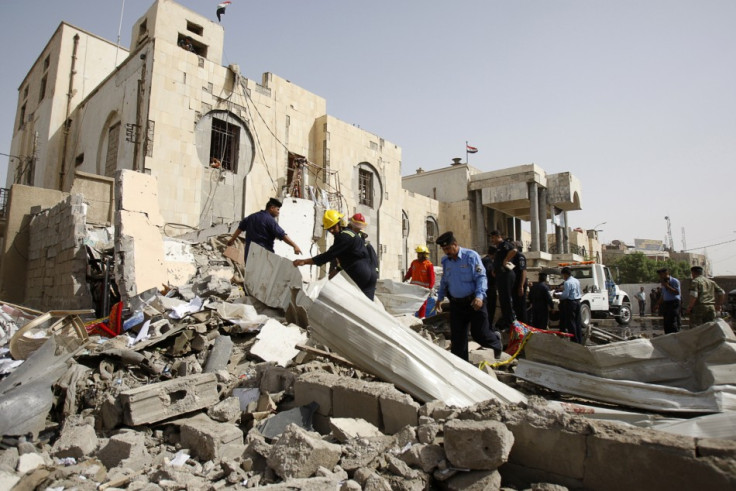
(120, 28)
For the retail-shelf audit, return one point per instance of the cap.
(663, 270)
(697, 269)
(445, 239)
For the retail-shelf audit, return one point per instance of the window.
(22, 116)
(25, 92)
(188, 44)
(79, 160)
(365, 187)
(111, 158)
(46, 63)
(42, 91)
(404, 224)
(195, 28)
(225, 144)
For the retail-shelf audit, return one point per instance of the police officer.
(670, 304)
(491, 295)
(505, 277)
(518, 292)
(350, 250)
(706, 298)
(464, 283)
(541, 301)
(261, 227)
(570, 296)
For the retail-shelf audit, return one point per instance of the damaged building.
(139, 352)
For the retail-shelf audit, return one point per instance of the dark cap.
(663, 270)
(273, 202)
(697, 269)
(445, 239)
(567, 270)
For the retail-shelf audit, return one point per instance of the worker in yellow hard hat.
(421, 272)
(350, 250)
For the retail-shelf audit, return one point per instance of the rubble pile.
(209, 387)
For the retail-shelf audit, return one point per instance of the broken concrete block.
(426, 457)
(474, 481)
(275, 379)
(315, 387)
(277, 342)
(399, 468)
(350, 485)
(344, 429)
(29, 461)
(75, 441)
(532, 443)
(299, 453)
(210, 440)
(477, 445)
(301, 416)
(162, 400)
(127, 448)
(362, 452)
(227, 410)
(426, 433)
(352, 398)
(220, 354)
(397, 410)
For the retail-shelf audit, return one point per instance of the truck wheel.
(624, 314)
(585, 316)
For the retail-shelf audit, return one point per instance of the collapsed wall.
(57, 259)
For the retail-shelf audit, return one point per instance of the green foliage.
(637, 268)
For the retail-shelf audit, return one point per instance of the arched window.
(432, 231)
(223, 140)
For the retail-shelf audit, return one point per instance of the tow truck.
(601, 298)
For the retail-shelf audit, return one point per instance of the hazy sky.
(636, 98)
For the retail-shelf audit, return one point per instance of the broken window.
(365, 187)
(225, 144)
(111, 157)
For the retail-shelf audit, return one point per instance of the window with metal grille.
(225, 144)
(404, 224)
(365, 187)
(111, 158)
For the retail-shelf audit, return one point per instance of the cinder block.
(533, 446)
(352, 398)
(315, 387)
(397, 410)
(156, 402)
(477, 445)
(75, 441)
(211, 440)
(129, 446)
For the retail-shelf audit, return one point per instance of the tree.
(637, 268)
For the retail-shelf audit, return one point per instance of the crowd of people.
(475, 285)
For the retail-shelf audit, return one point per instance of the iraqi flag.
(221, 9)
(470, 149)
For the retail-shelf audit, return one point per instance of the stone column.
(480, 237)
(517, 228)
(558, 234)
(534, 215)
(543, 244)
(566, 235)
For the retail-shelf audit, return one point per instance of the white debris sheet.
(689, 371)
(277, 342)
(343, 319)
(400, 298)
(270, 278)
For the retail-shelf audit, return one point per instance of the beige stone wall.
(449, 184)
(98, 194)
(418, 210)
(57, 259)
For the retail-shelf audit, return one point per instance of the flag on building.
(221, 9)
(470, 149)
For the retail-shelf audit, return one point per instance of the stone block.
(344, 429)
(227, 410)
(716, 447)
(162, 400)
(477, 445)
(276, 379)
(315, 387)
(75, 441)
(613, 448)
(474, 481)
(210, 440)
(128, 448)
(425, 457)
(29, 461)
(352, 398)
(533, 445)
(397, 410)
(299, 453)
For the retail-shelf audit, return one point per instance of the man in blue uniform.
(464, 283)
(670, 303)
(570, 306)
(261, 227)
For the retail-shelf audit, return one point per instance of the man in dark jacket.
(541, 301)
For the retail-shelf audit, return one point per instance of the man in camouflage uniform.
(705, 298)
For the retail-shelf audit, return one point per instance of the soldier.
(706, 298)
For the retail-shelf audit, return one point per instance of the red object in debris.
(116, 318)
(519, 330)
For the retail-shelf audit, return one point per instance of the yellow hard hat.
(330, 218)
(422, 248)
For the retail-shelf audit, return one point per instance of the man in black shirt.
(504, 277)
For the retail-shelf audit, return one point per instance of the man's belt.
(468, 299)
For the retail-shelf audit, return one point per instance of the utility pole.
(668, 238)
(684, 242)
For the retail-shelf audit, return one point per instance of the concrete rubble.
(284, 385)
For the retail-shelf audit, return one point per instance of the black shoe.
(497, 353)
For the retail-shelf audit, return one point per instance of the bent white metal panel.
(270, 277)
(342, 318)
(629, 393)
(400, 298)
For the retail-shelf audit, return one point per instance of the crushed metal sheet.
(270, 277)
(629, 393)
(342, 318)
(400, 298)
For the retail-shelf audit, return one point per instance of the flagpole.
(466, 152)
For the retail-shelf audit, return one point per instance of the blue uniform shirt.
(260, 227)
(463, 276)
(571, 289)
(668, 295)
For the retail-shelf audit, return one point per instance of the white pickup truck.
(601, 296)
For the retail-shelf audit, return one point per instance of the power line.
(711, 245)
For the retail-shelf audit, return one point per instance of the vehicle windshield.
(582, 273)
